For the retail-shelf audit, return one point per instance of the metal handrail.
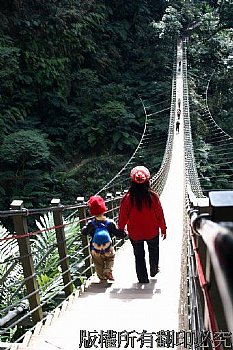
(218, 239)
(27, 212)
(66, 279)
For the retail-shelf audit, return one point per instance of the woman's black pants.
(140, 261)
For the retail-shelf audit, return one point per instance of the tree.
(25, 148)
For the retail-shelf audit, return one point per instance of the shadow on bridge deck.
(124, 307)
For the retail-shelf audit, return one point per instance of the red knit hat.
(96, 205)
(140, 174)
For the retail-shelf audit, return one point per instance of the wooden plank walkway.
(125, 307)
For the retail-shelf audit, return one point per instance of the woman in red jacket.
(141, 211)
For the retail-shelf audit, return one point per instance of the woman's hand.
(164, 235)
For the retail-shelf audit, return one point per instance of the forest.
(72, 75)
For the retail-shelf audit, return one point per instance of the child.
(101, 229)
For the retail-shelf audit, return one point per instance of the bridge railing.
(210, 261)
(41, 268)
(190, 162)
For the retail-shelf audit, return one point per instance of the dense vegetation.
(210, 58)
(71, 75)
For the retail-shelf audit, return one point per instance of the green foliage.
(89, 176)
(10, 270)
(25, 161)
(210, 65)
(211, 57)
(72, 72)
(9, 70)
(114, 132)
(9, 64)
(170, 24)
(44, 281)
(226, 13)
(25, 148)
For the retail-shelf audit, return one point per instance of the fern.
(10, 268)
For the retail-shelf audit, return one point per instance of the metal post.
(117, 201)
(208, 279)
(109, 198)
(62, 248)
(110, 204)
(85, 240)
(20, 225)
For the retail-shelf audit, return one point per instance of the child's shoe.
(109, 276)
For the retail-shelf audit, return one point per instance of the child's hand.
(121, 233)
(111, 252)
(94, 253)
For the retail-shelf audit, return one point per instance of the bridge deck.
(125, 305)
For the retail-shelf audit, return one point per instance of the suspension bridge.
(188, 304)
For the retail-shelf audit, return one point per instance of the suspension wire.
(207, 107)
(197, 76)
(218, 152)
(220, 145)
(158, 103)
(146, 144)
(131, 158)
(191, 169)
